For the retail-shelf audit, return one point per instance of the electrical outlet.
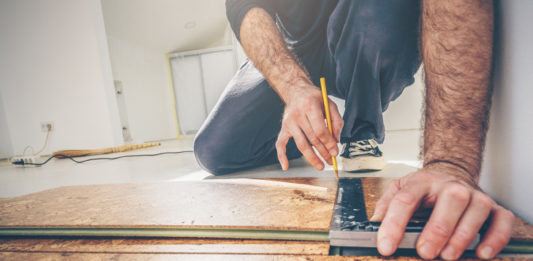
(47, 126)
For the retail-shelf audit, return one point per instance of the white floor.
(401, 147)
(16, 181)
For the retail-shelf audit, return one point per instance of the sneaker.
(363, 155)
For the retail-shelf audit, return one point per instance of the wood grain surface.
(193, 257)
(373, 188)
(162, 246)
(239, 203)
(296, 203)
(280, 204)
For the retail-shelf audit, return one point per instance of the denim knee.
(210, 158)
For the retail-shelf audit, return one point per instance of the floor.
(401, 148)
(17, 181)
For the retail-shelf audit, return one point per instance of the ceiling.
(166, 25)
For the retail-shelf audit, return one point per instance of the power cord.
(22, 163)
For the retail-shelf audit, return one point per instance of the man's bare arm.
(457, 49)
(264, 45)
(303, 119)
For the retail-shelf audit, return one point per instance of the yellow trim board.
(172, 93)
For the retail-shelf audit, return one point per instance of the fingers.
(308, 131)
(473, 218)
(451, 203)
(316, 118)
(304, 147)
(402, 206)
(336, 121)
(304, 121)
(458, 214)
(498, 234)
(281, 148)
(302, 144)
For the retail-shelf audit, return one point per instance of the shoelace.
(362, 147)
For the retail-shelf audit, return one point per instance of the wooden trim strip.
(167, 232)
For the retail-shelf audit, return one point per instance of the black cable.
(22, 163)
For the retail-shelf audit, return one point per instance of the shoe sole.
(362, 164)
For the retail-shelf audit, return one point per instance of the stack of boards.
(251, 218)
(245, 208)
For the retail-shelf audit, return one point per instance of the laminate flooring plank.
(157, 257)
(238, 203)
(522, 230)
(276, 204)
(165, 246)
(373, 188)
(327, 182)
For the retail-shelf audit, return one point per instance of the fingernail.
(333, 152)
(449, 253)
(427, 250)
(374, 217)
(385, 247)
(486, 252)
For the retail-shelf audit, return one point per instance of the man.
(368, 51)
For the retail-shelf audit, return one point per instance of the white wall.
(144, 76)
(55, 67)
(402, 123)
(199, 79)
(140, 33)
(190, 93)
(508, 166)
(218, 69)
(6, 148)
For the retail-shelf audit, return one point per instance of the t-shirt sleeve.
(237, 9)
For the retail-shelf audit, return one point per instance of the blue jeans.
(368, 55)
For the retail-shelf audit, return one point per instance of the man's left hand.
(459, 211)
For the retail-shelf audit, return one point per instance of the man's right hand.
(304, 121)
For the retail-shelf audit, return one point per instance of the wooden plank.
(168, 246)
(223, 206)
(193, 257)
(373, 188)
(241, 203)
(168, 232)
(522, 231)
(291, 204)
(300, 192)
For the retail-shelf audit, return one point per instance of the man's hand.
(459, 211)
(457, 54)
(303, 120)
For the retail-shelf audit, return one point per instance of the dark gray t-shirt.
(301, 22)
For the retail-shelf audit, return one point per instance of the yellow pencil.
(328, 119)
